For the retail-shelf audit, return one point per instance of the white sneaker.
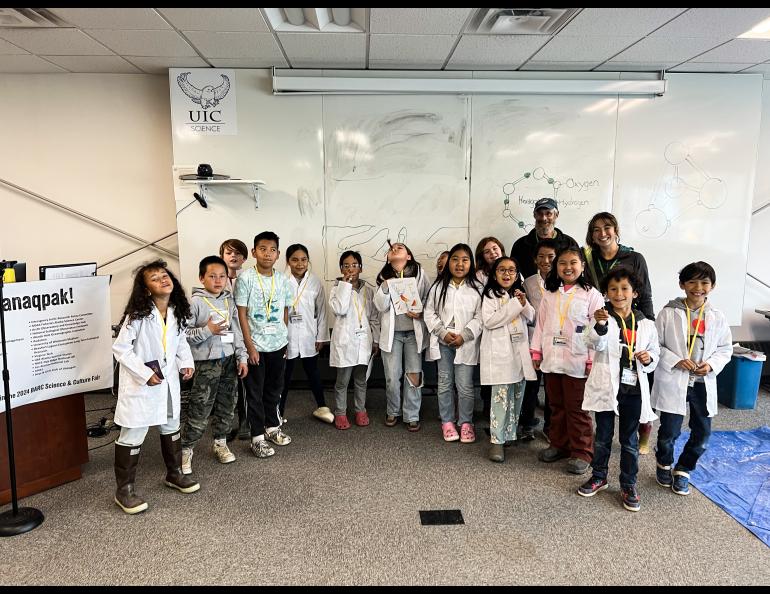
(222, 452)
(277, 436)
(187, 455)
(323, 413)
(261, 449)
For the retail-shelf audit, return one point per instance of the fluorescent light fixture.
(295, 16)
(760, 31)
(286, 83)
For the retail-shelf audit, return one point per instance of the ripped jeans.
(404, 347)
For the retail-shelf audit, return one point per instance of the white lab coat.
(498, 315)
(140, 405)
(603, 384)
(312, 307)
(463, 305)
(669, 392)
(388, 316)
(346, 348)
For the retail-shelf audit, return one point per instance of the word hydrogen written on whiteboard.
(562, 203)
(39, 302)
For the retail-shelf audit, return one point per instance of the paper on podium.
(404, 295)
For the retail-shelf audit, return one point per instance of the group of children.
(254, 323)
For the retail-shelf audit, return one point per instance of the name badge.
(517, 336)
(295, 318)
(361, 332)
(270, 329)
(629, 377)
(227, 337)
(691, 381)
(560, 341)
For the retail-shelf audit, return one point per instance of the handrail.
(92, 219)
(136, 250)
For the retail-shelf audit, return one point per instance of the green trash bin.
(738, 384)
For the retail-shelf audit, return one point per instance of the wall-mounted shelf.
(204, 185)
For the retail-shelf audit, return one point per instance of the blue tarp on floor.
(734, 473)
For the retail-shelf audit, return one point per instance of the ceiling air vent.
(519, 21)
(29, 17)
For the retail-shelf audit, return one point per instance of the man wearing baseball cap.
(546, 212)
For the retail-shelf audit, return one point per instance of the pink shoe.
(467, 433)
(361, 419)
(449, 431)
(341, 422)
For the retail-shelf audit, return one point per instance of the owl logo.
(207, 97)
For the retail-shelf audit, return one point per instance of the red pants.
(571, 428)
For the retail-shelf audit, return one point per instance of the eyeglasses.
(350, 266)
(507, 270)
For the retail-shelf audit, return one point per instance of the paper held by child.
(404, 295)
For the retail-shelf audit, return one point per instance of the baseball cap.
(548, 203)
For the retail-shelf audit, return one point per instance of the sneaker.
(222, 452)
(630, 498)
(413, 426)
(449, 431)
(361, 418)
(577, 466)
(467, 433)
(592, 486)
(341, 422)
(187, 455)
(551, 454)
(261, 449)
(496, 452)
(390, 421)
(277, 436)
(526, 434)
(663, 476)
(323, 413)
(681, 484)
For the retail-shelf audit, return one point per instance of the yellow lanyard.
(164, 325)
(301, 290)
(563, 316)
(359, 312)
(632, 342)
(225, 316)
(697, 327)
(401, 274)
(269, 302)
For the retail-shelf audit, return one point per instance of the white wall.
(97, 143)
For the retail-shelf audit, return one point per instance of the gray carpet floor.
(342, 507)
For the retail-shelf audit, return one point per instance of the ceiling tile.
(260, 46)
(418, 21)
(410, 48)
(719, 23)
(708, 67)
(654, 49)
(563, 48)
(638, 22)
(27, 65)
(738, 51)
(248, 62)
(216, 19)
(758, 69)
(112, 18)
(160, 65)
(7, 49)
(55, 42)
(143, 43)
(651, 66)
(570, 66)
(399, 65)
(111, 64)
(494, 52)
(327, 50)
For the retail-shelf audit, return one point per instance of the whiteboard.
(396, 168)
(527, 148)
(684, 181)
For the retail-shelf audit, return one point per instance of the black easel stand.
(18, 520)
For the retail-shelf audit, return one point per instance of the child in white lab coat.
(354, 338)
(152, 351)
(308, 328)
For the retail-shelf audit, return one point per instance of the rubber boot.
(171, 446)
(126, 461)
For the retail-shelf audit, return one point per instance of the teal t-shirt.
(257, 292)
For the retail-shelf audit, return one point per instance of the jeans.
(341, 389)
(671, 427)
(450, 375)
(504, 411)
(264, 384)
(310, 366)
(629, 411)
(404, 346)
